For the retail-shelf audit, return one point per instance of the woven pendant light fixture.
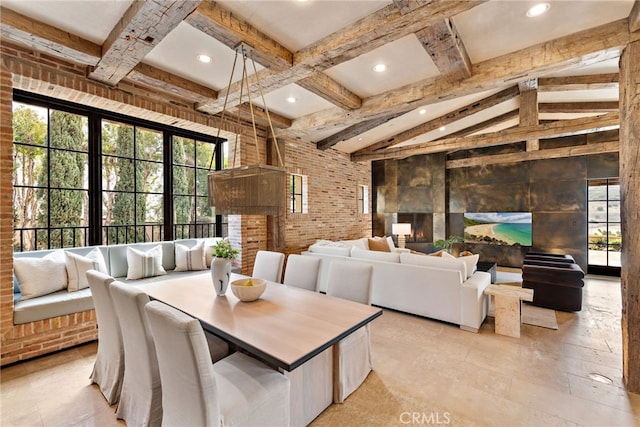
(249, 190)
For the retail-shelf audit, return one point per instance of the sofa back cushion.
(357, 243)
(118, 256)
(436, 262)
(375, 255)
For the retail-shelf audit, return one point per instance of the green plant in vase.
(447, 244)
(223, 254)
(223, 249)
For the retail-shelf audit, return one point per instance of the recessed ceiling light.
(291, 99)
(423, 111)
(442, 128)
(380, 68)
(204, 58)
(538, 10)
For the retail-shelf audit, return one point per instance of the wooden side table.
(507, 300)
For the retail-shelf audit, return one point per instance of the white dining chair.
(108, 369)
(268, 266)
(302, 272)
(141, 397)
(235, 391)
(352, 355)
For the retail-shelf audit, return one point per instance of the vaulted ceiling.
(459, 73)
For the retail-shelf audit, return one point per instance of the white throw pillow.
(189, 259)
(144, 264)
(471, 261)
(41, 276)
(78, 265)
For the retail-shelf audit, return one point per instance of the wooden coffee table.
(507, 300)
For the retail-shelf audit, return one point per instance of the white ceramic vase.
(220, 272)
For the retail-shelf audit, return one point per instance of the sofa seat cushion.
(375, 255)
(172, 274)
(52, 305)
(437, 262)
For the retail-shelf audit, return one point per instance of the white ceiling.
(489, 30)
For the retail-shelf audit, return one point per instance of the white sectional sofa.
(68, 301)
(438, 288)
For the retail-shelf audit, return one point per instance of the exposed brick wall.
(32, 339)
(333, 182)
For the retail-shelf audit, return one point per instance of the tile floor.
(426, 373)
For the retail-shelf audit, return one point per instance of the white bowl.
(248, 293)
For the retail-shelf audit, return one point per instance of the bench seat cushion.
(52, 305)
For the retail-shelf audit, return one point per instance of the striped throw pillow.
(144, 264)
(189, 259)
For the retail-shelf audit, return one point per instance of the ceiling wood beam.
(260, 115)
(332, 91)
(579, 107)
(529, 109)
(596, 81)
(352, 131)
(443, 43)
(170, 83)
(406, 6)
(634, 17)
(45, 38)
(444, 120)
(218, 22)
(365, 35)
(581, 48)
(141, 28)
(552, 153)
(555, 129)
(494, 121)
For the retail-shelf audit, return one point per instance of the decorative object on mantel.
(448, 243)
(250, 190)
(224, 254)
(401, 229)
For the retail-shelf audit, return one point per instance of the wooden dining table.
(289, 328)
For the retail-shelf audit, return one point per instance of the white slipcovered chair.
(268, 266)
(141, 397)
(235, 391)
(108, 370)
(352, 355)
(302, 272)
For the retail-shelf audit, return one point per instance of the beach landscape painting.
(498, 228)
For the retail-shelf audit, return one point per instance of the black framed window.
(604, 229)
(297, 185)
(192, 215)
(50, 178)
(85, 176)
